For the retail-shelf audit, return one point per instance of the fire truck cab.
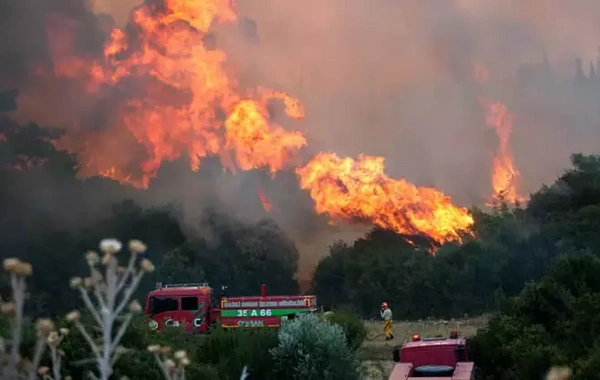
(433, 358)
(188, 305)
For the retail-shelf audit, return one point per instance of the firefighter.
(386, 315)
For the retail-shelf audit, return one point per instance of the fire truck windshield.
(163, 304)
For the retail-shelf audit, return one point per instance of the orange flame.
(348, 189)
(264, 200)
(189, 104)
(505, 176)
(254, 144)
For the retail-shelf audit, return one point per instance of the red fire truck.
(439, 358)
(193, 306)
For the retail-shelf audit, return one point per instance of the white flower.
(53, 337)
(153, 348)
(147, 266)
(43, 370)
(135, 306)
(559, 373)
(136, 246)
(44, 326)
(76, 282)
(23, 269)
(73, 316)
(92, 258)
(10, 264)
(110, 246)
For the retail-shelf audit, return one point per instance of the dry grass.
(377, 352)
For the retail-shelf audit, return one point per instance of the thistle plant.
(12, 366)
(48, 337)
(18, 272)
(107, 294)
(171, 365)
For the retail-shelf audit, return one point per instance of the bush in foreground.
(354, 327)
(312, 348)
(229, 351)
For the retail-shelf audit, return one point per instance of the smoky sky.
(389, 78)
(395, 78)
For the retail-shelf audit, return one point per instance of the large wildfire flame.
(187, 102)
(348, 189)
(186, 90)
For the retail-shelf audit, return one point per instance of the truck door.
(194, 310)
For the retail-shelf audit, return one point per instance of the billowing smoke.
(391, 78)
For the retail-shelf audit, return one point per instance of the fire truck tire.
(396, 354)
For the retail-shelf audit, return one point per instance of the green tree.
(553, 322)
(238, 255)
(568, 211)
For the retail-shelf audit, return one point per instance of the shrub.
(354, 327)
(229, 351)
(313, 348)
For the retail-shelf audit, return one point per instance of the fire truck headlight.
(153, 325)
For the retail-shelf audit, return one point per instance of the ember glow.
(264, 200)
(179, 97)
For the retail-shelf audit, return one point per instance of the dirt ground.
(376, 352)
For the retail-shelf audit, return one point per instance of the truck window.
(189, 303)
(163, 304)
